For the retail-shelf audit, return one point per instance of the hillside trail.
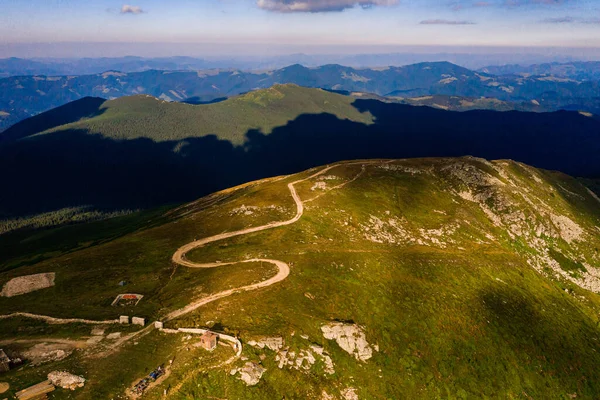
(58, 321)
(283, 269)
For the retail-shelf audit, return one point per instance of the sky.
(301, 24)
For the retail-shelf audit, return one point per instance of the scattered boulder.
(349, 394)
(42, 353)
(97, 331)
(66, 380)
(350, 338)
(27, 284)
(326, 396)
(273, 343)
(251, 373)
(114, 335)
(329, 369)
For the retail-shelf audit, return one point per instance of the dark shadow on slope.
(70, 168)
(86, 107)
(543, 339)
(196, 100)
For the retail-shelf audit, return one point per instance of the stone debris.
(94, 340)
(251, 373)
(328, 178)
(66, 380)
(349, 394)
(533, 225)
(26, 284)
(244, 210)
(320, 185)
(252, 210)
(390, 230)
(351, 338)
(114, 335)
(273, 343)
(329, 369)
(326, 396)
(97, 331)
(403, 168)
(304, 359)
(569, 230)
(43, 353)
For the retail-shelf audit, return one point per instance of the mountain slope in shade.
(140, 151)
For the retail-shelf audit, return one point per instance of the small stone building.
(4, 362)
(209, 340)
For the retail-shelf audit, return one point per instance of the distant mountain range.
(25, 96)
(140, 151)
(87, 66)
(580, 71)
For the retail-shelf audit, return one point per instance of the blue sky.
(562, 23)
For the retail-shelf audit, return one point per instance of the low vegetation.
(467, 278)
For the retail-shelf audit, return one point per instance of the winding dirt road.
(179, 258)
(283, 268)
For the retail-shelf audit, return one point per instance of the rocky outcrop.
(66, 380)
(251, 373)
(272, 343)
(349, 394)
(27, 284)
(351, 338)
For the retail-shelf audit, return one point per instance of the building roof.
(208, 335)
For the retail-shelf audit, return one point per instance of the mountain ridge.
(25, 96)
(145, 149)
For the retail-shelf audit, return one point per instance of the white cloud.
(314, 6)
(445, 22)
(127, 9)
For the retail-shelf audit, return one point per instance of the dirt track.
(55, 321)
(179, 258)
(283, 268)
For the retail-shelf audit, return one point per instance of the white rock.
(273, 343)
(66, 380)
(350, 338)
(251, 373)
(349, 394)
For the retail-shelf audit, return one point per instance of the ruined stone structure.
(209, 340)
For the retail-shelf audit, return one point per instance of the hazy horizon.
(469, 56)
(38, 28)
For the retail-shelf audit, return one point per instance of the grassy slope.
(464, 317)
(133, 117)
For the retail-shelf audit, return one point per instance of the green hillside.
(147, 117)
(467, 278)
(140, 152)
